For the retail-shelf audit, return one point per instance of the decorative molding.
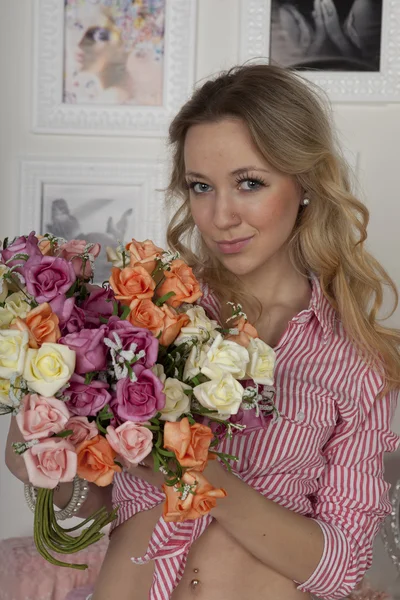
(52, 115)
(382, 86)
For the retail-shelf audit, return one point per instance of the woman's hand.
(327, 26)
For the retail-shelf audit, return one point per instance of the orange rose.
(144, 313)
(246, 332)
(144, 253)
(182, 282)
(173, 323)
(196, 504)
(96, 461)
(44, 246)
(41, 324)
(189, 442)
(131, 283)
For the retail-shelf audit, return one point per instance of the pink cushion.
(25, 575)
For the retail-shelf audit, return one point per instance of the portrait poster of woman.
(114, 52)
(332, 35)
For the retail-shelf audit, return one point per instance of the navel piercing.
(194, 582)
(306, 202)
(195, 570)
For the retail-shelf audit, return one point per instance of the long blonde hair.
(291, 126)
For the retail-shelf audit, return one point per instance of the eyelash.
(240, 179)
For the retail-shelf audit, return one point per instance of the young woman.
(266, 217)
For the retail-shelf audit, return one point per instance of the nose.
(226, 213)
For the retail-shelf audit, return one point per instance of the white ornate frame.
(52, 115)
(149, 175)
(382, 86)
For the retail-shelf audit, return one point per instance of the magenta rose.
(98, 304)
(21, 245)
(48, 277)
(91, 352)
(71, 317)
(131, 441)
(39, 417)
(129, 334)
(50, 462)
(82, 429)
(73, 251)
(138, 401)
(86, 399)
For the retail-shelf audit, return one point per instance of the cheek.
(201, 215)
(277, 214)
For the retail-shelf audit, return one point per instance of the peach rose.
(44, 245)
(246, 332)
(73, 251)
(39, 417)
(201, 498)
(96, 461)
(144, 254)
(172, 325)
(41, 324)
(131, 441)
(82, 428)
(182, 282)
(50, 462)
(131, 283)
(145, 314)
(190, 443)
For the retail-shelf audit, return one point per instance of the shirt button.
(300, 416)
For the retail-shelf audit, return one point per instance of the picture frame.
(51, 114)
(98, 200)
(341, 86)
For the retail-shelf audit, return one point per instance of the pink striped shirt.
(323, 458)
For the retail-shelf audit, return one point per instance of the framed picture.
(99, 201)
(119, 67)
(350, 48)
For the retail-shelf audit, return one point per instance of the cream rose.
(225, 356)
(4, 391)
(223, 395)
(114, 256)
(6, 317)
(3, 283)
(262, 362)
(176, 401)
(194, 361)
(49, 368)
(13, 346)
(17, 306)
(158, 371)
(200, 327)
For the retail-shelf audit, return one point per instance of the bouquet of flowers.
(100, 377)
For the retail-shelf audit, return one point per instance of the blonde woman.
(266, 216)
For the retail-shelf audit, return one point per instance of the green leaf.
(118, 463)
(164, 298)
(103, 320)
(125, 312)
(115, 309)
(5, 243)
(89, 377)
(64, 434)
(72, 289)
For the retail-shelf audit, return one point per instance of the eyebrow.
(235, 172)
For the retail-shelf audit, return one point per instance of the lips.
(234, 246)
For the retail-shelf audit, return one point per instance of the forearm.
(285, 541)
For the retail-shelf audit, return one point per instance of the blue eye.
(250, 185)
(199, 188)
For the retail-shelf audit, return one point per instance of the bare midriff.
(218, 567)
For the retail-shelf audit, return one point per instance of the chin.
(238, 265)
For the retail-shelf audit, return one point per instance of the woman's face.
(244, 209)
(99, 47)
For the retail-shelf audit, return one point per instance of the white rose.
(200, 327)
(49, 368)
(194, 361)
(262, 362)
(225, 356)
(17, 305)
(223, 395)
(176, 401)
(158, 371)
(3, 283)
(4, 391)
(13, 347)
(5, 317)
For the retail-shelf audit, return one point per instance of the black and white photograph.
(327, 35)
(97, 214)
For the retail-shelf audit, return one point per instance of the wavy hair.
(291, 125)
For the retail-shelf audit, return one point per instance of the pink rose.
(39, 417)
(50, 462)
(21, 245)
(48, 277)
(98, 304)
(91, 352)
(82, 430)
(86, 399)
(131, 442)
(73, 251)
(142, 338)
(138, 401)
(71, 317)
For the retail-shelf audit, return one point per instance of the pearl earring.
(306, 202)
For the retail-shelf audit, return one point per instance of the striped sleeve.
(352, 499)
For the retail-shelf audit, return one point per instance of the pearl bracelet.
(79, 494)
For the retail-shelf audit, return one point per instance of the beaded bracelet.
(79, 494)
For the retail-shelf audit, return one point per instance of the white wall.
(371, 130)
